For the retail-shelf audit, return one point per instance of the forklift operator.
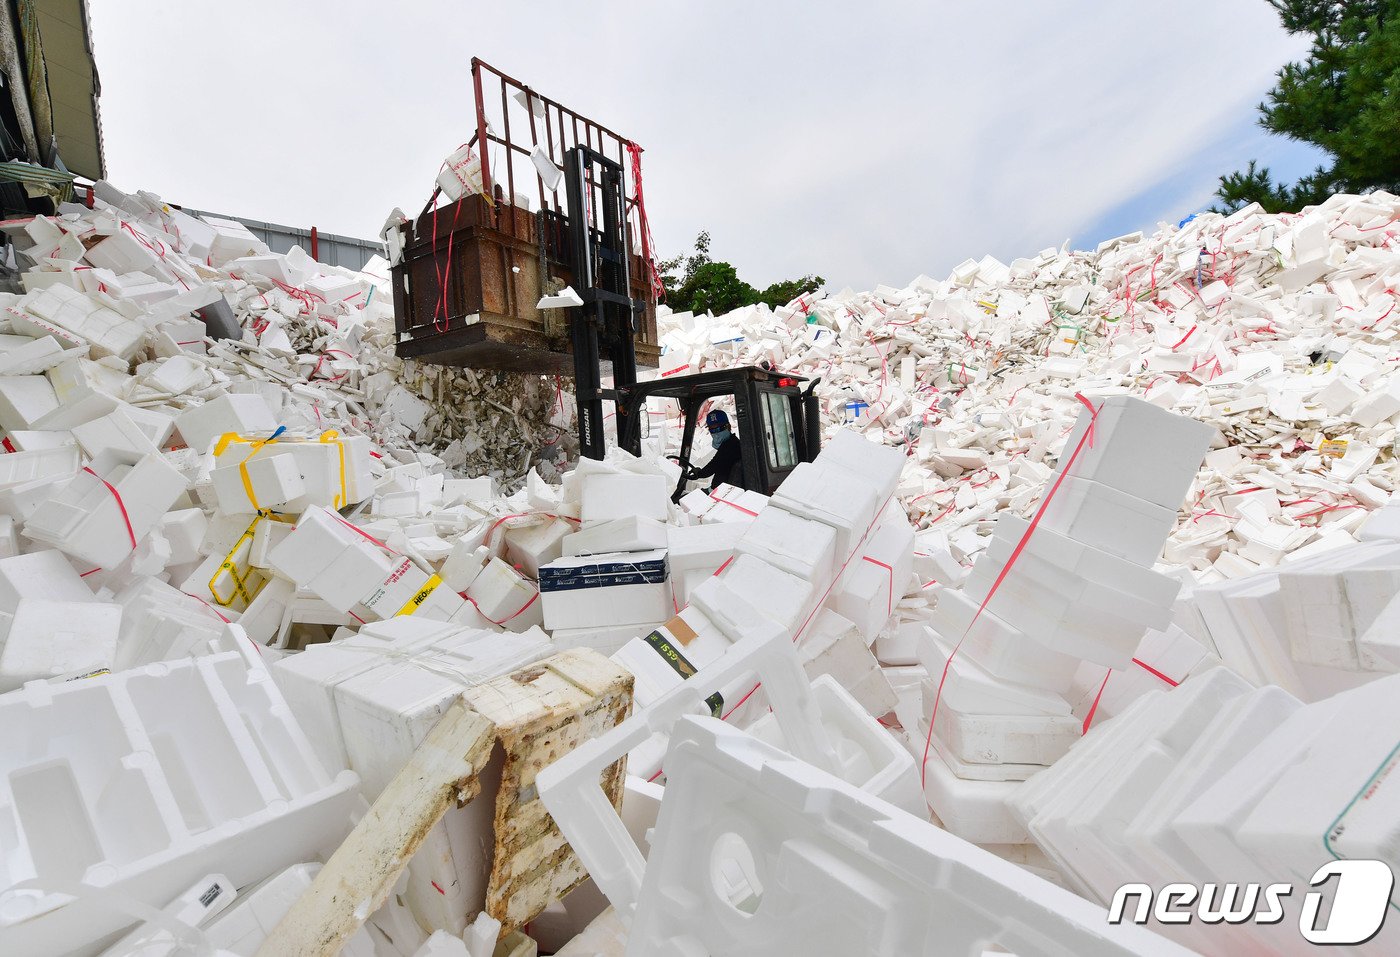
(727, 466)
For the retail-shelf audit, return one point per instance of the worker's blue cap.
(717, 420)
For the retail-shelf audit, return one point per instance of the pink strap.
(130, 532)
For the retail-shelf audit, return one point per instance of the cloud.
(866, 142)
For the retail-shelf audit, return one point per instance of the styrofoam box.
(503, 597)
(141, 781)
(1139, 449)
(247, 923)
(845, 500)
(603, 639)
(746, 819)
(731, 504)
(612, 589)
(876, 579)
(696, 552)
(528, 547)
(750, 590)
(49, 639)
(88, 521)
(870, 757)
(44, 575)
(274, 480)
(1000, 649)
(631, 533)
(232, 412)
(1109, 519)
(385, 712)
(1070, 597)
(1006, 738)
(605, 497)
(972, 690)
(879, 464)
(800, 546)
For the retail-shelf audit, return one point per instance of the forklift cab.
(777, 421)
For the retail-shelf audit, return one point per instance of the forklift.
(466, 286)
(777, 419)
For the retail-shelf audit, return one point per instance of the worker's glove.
(692, 474)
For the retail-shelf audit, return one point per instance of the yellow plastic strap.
(417, 600)
(227, 439)
(331, 435)
(229, 567)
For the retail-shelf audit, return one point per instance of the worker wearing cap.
(727, 466)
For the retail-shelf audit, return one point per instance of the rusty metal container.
(466, 288)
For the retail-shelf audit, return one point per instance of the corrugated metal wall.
(331, 249)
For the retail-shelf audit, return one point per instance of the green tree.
(1344, 97)
(697, 283)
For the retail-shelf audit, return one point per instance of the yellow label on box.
(1333, 448)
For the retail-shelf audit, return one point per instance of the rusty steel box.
(466, 288)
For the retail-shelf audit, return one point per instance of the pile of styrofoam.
(238, 587)
(1278, 330)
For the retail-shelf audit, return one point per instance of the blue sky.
(865, 142)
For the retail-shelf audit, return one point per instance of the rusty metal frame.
(562, 130)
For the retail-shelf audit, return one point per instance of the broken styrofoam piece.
(565, 298)
(226, 776)
(570, 787)
(781, 814)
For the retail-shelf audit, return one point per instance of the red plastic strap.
(648, 246)
(533, 598)
(130, 532)
(889, 605)
(1182, 341)
(1089, 718)
(732, 505)
(362, 533)
(1153, 671)
(1086, 439)
(720, 569)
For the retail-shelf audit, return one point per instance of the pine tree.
(1344, 98)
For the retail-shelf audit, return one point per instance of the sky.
(867, 143)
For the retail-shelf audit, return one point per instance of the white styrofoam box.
(976, 811)
(24, 400)
(242, 928)
(604, 639)
(160, 622)
(1070, 597)
(697, 551)
(876, 579)
(384, 713)
(200, 425)
(35, 356)
(610, 589)
(731, 504)
(528, 547)
(308, 680)
(503, 598)
(1109, 519)
(272, 481)
(231, 240)
(1314, 794)
(107, 332)
(631, 533)
(899, 646)
(1139, 449)
(51, 639)
(972, 690)
(41, 465)
(800, 546)
(845, 500)
(206, 898)
(832, 645)
(1383, 523)
(879, 464)
(140, 781)
(1078, 811)
(43, 575)
(109, 507)
(1331, 601)
(748, 586)
(752, 813)
(184, 529)
(998, 648)
(26, 440)
(605, 497)
(672, 651)
(1006, 738)
(456, 491)
(115, 430)
(870, 757)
